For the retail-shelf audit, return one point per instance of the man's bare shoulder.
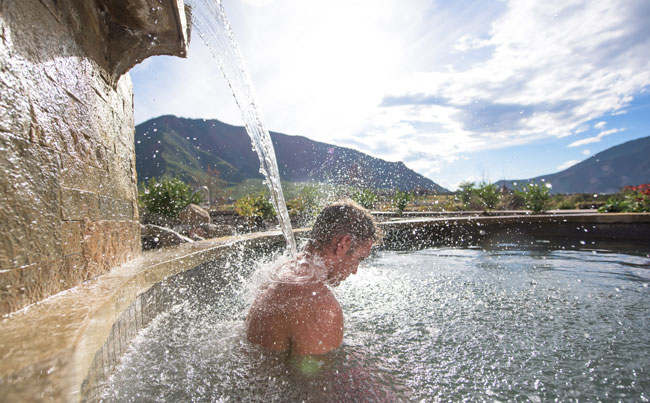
(299, 298)
(317, 322)
(303, 317)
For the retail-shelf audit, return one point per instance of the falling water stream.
(212, 25)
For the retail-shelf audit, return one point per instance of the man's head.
(343, 235)
(343, 218)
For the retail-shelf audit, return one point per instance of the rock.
(215, 231)
(205, 231)
(194, 215)
(183, 229)
(197, 232)
(157, 219)
(154, 236)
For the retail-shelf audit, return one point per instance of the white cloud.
(550, 72)
(567, 165)
(595, 139)
(421, 81)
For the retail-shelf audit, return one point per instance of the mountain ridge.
(605, 172)
(196, 149)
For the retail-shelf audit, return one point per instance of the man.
(296, 312)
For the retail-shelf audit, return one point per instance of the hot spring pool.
(430, 325)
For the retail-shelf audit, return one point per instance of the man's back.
(303, 318)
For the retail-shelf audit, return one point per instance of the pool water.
(429, 325)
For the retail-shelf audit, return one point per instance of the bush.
(366, 198)
(304, 208)
(255, 207)
(466, 193)
(614, 205)
(632, 199)
(401, 200)
(536, 196)
(167, 197)
(488, 195)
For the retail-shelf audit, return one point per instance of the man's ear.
(343, 245)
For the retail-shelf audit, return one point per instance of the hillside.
(198, 151)
(605, 172)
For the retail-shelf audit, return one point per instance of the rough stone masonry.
(68, 195)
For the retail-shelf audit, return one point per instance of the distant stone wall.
(68, 185)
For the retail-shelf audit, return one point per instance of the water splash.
(437, 324)
(212, 25)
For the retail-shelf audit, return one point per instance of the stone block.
(78, 174)
(73, 270)
(149, 311)
(109, 346)
(124, 340)
(138, 314)
(71, 233)
(26, 285)
(115, 209)
(107, 369)
(114, 344)
(120, 180)
(107, 244)
(129, 321)
(79, 205)
(29, 203)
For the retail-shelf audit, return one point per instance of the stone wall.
(68, 186)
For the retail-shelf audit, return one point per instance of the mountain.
(197, 150)
(605, 172)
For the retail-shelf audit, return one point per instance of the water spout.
(212, 25)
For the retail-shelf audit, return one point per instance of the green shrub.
(167, 197)
(566, 204)
(614, 205)
(536, 196)
(401, 200)
(365, 197)
(307, 205)
(512, 201)
(632, 199)
(255, 207)
(466, 193)
(488, 195)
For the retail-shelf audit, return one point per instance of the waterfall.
(212, 25)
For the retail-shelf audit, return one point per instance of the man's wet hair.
(342, 218)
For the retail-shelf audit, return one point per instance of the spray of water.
(212, 25)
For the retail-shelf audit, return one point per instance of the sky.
(459, 90)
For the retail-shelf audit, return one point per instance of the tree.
(167, 197)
